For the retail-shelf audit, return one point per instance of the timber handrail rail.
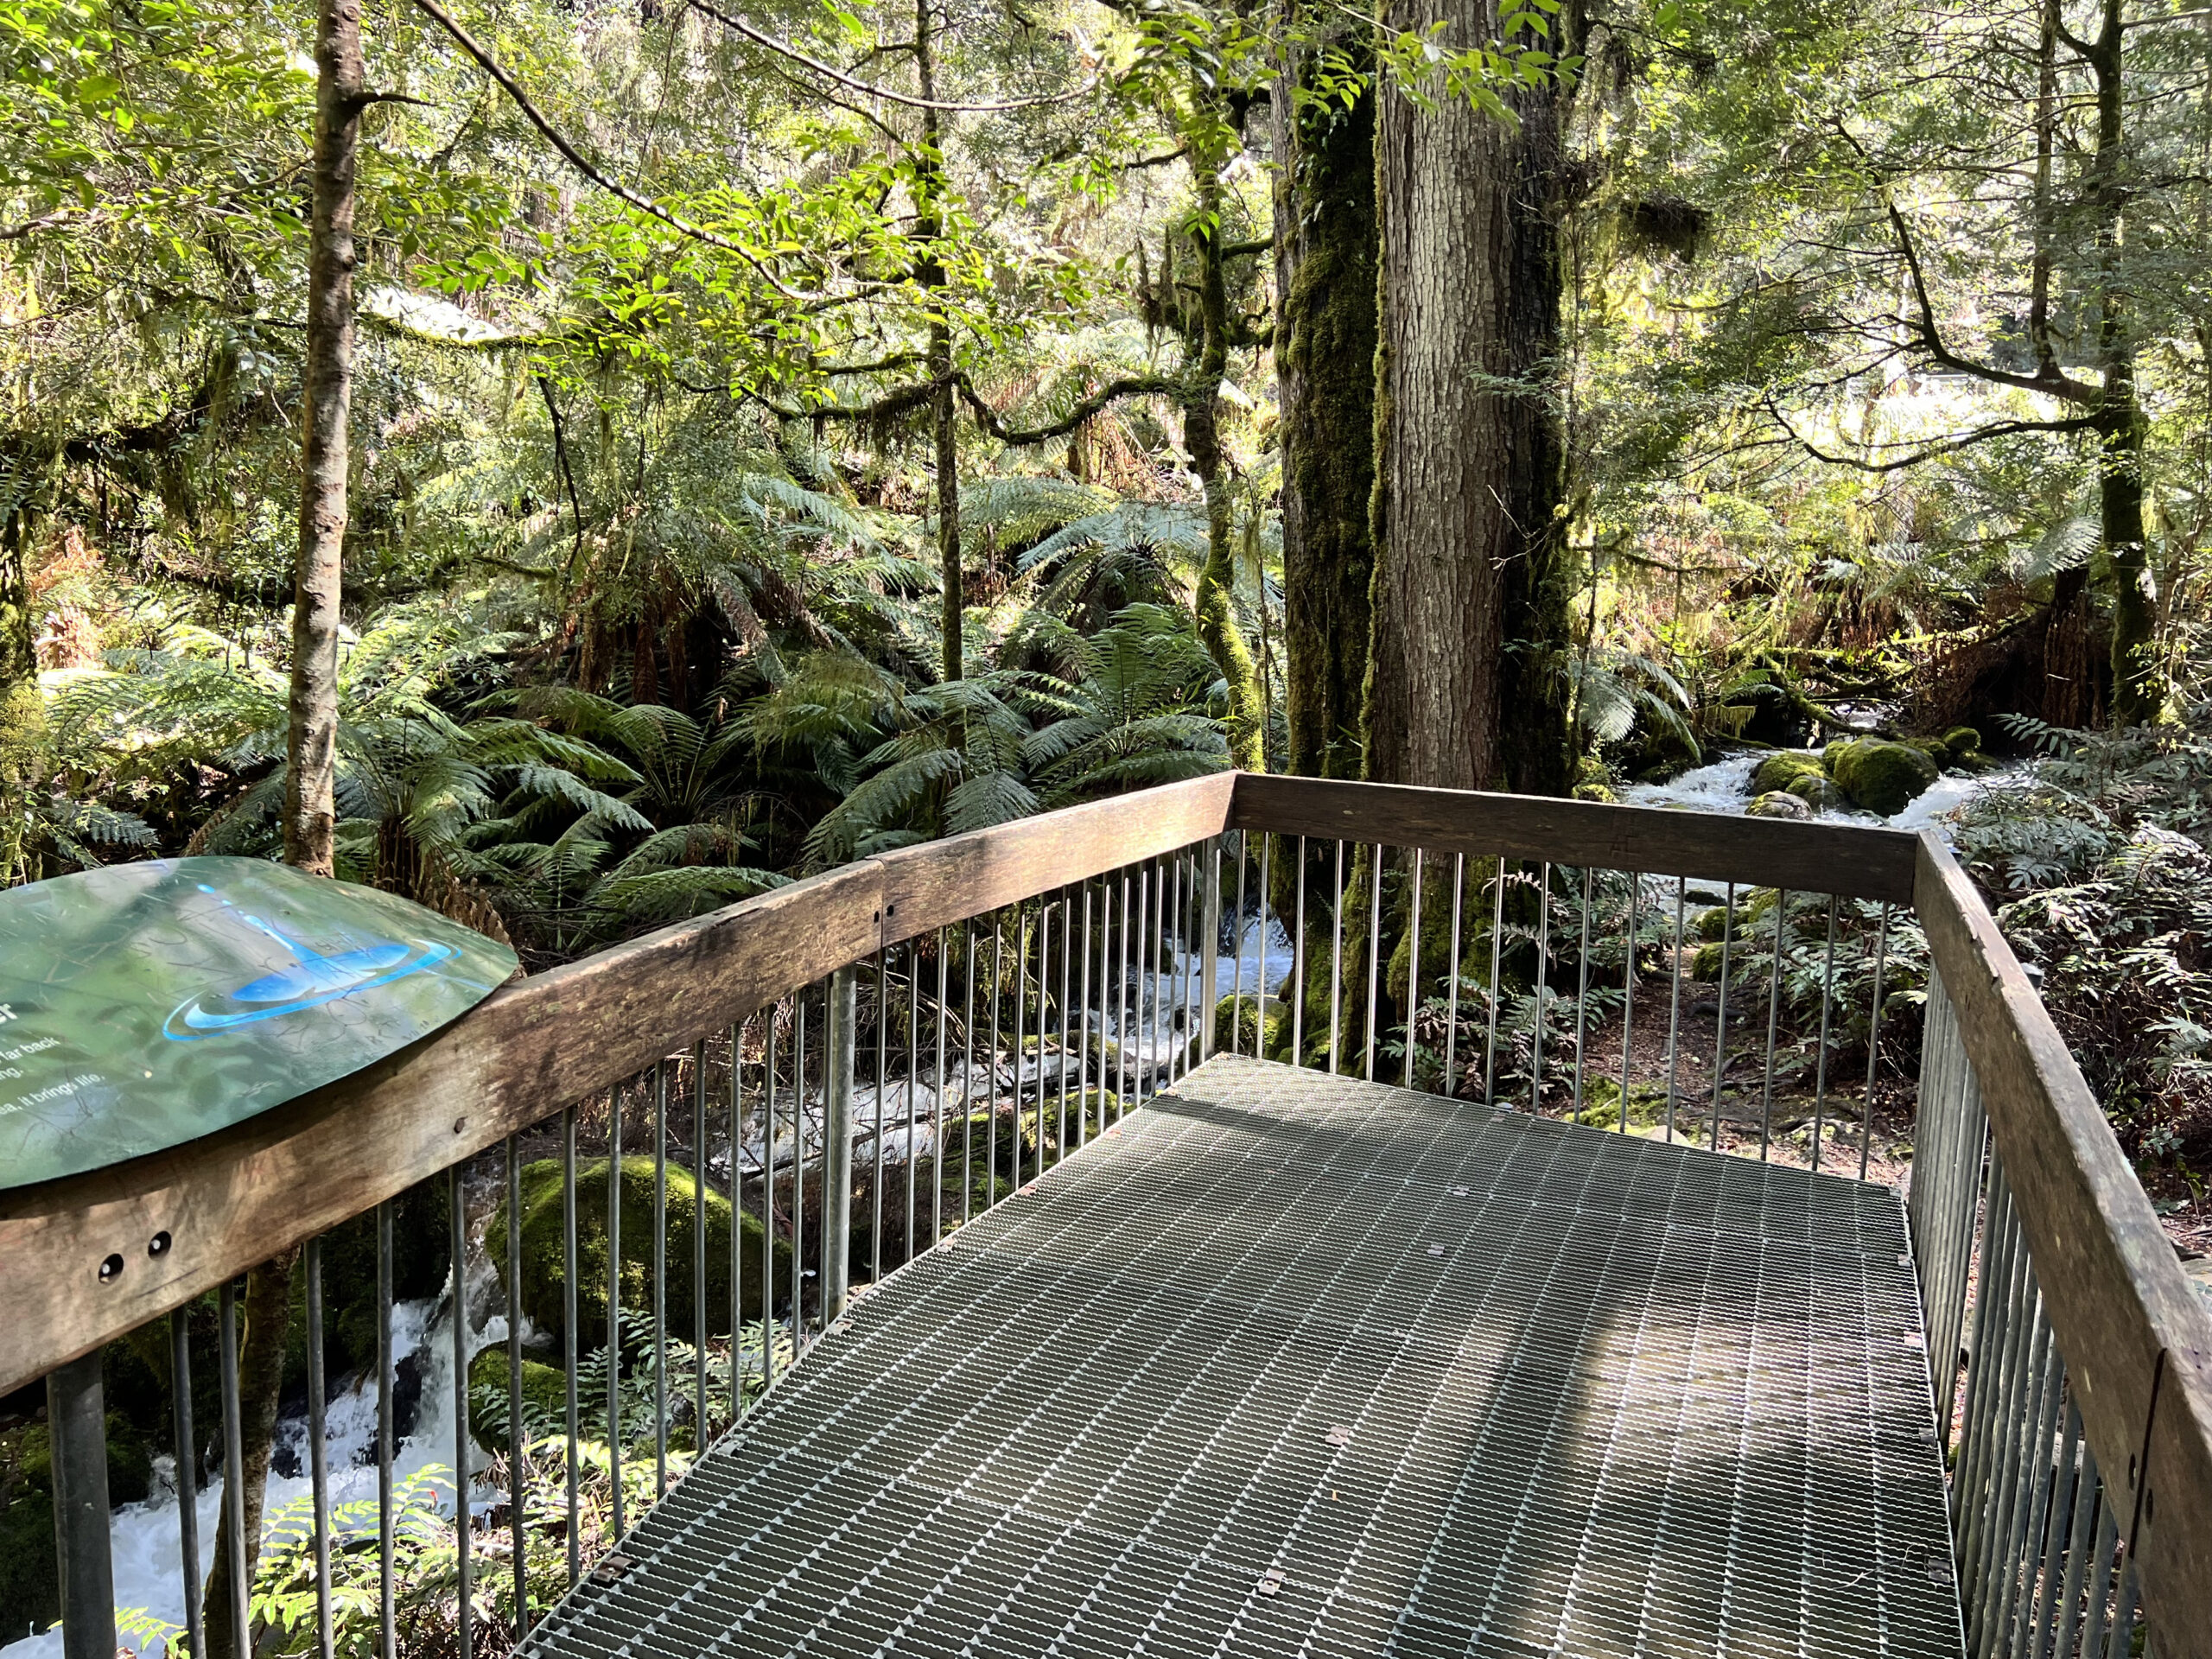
(2137, 1340)
(232, 1199)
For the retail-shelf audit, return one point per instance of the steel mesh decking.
(1292, 1363)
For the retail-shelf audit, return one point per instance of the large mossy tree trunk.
(1472, 575)
(1326, 284)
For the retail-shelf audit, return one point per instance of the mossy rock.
(1962, 741)
(544, 1387)
(1883, 777)
(1781, 769)
(543, 1280)
(1710, 924)
(1933, 747)
(1779, 805)
(1818, 790)
(1833, 751)
(1236, 1020)
(1705, 962)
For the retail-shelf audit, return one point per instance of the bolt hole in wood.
(111, 1269)
(158, 1245)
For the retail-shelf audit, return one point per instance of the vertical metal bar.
(1335, 956)
(840, 1040)
(937, 1101)
(1628, 989)
(518, 1435)
(1993, 1314)
(1374, 960)
(2121, 1643)
(1873, 1042)
(1160, 913)
(1209, 959)
(968, 1085)
(1166, 1041)
(318, 1451)
(1260, 950)
(1675, 1006)
(1297, 966)
(1452, 980)
(463, 1521)
(187, 1478)
(699, 1245)
(1069, 951)
(1020, 1018)
(737, 1230)
(387, 1540)
(2039, 1590)
(1083, 1033)
(1497, 990)
(76, 1416)
(1121, 1009)
(798, 1170)
(1720, 1017)
(1582, 990)
(574, 1422)
(2081, 1540)
(614, 1301)
(913, 1074)
(1821, 1061)
(991, 1111)
(660, 1278)
(1773, 1022)
(882, 1059)
(1236, 975)
(234, 1471)
(1412, 966)
(1543, 984)
(2101, 1566)
(768, 1207)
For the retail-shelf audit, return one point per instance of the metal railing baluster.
(913, 1073)
(1628, 989)
(1413, 968)
(1873, 1043)
(227, 1315)
(937, 1100)
(1068, 951)
(660, 1278)
(1674, 1006)
(1260, 950)
(187, 1478)
(1452, 980)
(799, 1173)
(1335, 956)
(614, 1303)
(1083, 1035)
(517, 1431)
(968, 1086)
(1374, 962)
(318, 1449)
(1821, 1061)
(1236, 973)
(840, 1042)
(699, 1245)
(387, 1379)
(1582, 990)
(991, 1108)
(1543, 984)
(569, 1342)
(1773, 1022)
(1496, 987)
(882, 1067)
(463, 1521)
(1297, 966)
(1720, 1016)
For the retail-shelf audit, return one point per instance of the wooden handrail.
(1848, 860)
(234, 1199)
(2133, 1334)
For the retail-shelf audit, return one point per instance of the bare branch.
(1949, 445)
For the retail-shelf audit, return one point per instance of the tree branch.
(1950, 446)
(492, 67)
(1127, 386)
(761, 37)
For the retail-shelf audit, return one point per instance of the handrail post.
(1209, 949)
(837, 1144)
(77, 1417)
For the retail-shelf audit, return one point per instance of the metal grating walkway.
(1295, 1364)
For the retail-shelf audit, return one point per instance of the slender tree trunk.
(943, 403)
(1326, 284)
(18, 660)
(311, 768)
(2121, 424)
(1217, 611)
(1473, 576)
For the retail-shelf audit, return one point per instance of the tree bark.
(944, 401)
(311, 757)
(1217, 613)
(1326, 282)
(1471, 574)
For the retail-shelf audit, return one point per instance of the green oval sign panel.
(145, 1005)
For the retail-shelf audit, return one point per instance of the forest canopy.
(577, 464)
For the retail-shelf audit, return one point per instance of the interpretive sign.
(145, 1005)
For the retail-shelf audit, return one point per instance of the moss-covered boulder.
(544, 1281)
(1883, 776)
(1710, 924)
(1783, 769)
(1833, 751)
(544, 1387)
(1235, 1022)
(1779, 804)
(1819, 791)
(1962, 741)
